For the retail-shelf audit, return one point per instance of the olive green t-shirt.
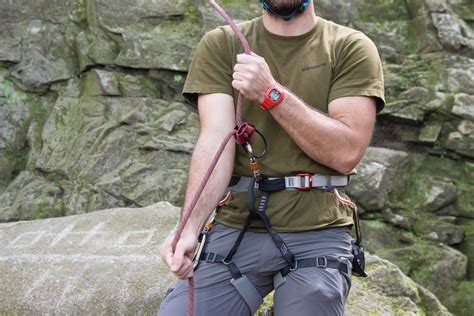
(328, 62)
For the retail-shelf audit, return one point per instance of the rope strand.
(187, 213)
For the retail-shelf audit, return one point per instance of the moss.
(464, 300)
(422, 167)
(11, 94)
(418, 72)
(46, 211)
(17, 160)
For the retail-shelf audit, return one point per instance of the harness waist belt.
(299, 182)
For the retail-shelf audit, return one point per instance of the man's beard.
(283, 7)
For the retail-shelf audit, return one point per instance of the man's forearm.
(331, 141)
(206, 147)
(337, 140)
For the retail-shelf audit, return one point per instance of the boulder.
(466, 127)
(104, 262)
(46, 56)
(462, 144)
(437, 194)
(464, 106)
(387, 291)
(435, 183)
(435, 266)
(376, 177)
(440, 229)
(459, 71)
(107, 262)
(450, 31)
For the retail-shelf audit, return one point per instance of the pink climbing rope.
(205, 180)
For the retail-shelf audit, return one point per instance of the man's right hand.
(180, 262)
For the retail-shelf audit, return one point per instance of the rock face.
(91, 117)
(108, 262)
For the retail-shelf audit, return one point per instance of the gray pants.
(307, 291)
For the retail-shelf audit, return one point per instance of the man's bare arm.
(337, 140)
(217, 119)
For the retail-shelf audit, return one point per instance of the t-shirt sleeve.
(358, 70)
(211, 67)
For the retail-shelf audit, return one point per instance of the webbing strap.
(242, 284)
(237, 242)
(342, 264)
(248, 292)
(272, 184)
(277, 240)
(260, 212)
(212, 257)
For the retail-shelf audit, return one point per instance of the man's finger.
(178, 257)
(185, 269)
(167, 256)
(245, 59)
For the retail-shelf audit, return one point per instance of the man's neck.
(298, 25)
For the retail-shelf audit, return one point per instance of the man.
(319, 86)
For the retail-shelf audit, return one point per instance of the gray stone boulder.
(46, 57)
(388, 291)
(107, 262)
(377, 177)
(430, 263)
(459, 71)
(464, 106)
(437, 194)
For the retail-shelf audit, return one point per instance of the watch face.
(274, 95)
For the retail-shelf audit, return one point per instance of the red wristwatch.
(273, 96)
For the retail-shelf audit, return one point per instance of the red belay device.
(243, 134)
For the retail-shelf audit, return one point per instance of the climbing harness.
(267, 185)
(243, 134)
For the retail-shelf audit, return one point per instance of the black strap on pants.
(260, 213)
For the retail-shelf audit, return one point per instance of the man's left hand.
(252, 76)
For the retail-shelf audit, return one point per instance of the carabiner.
(197, 254)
